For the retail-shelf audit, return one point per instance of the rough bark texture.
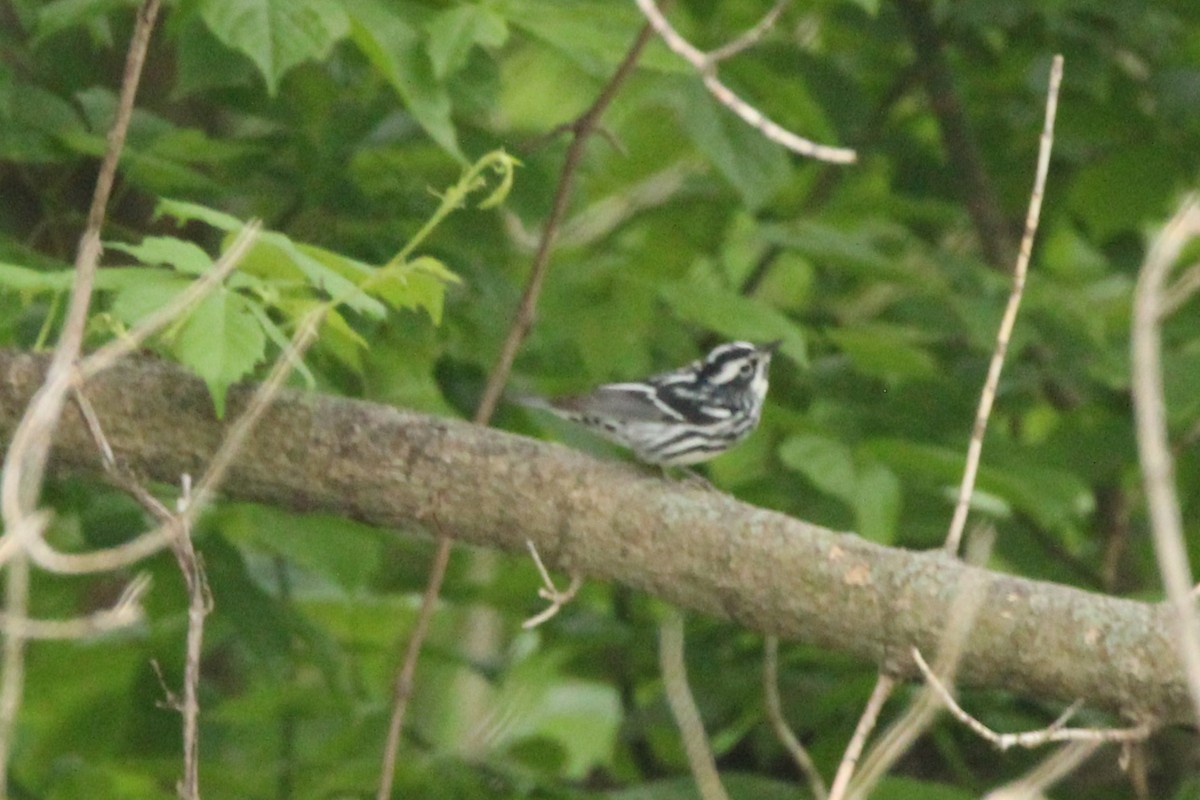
(699, 549)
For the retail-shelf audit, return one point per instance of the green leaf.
(881, 351)
(276, 34)
(15, 278)
(147, 292)
(221, 342)
(827, 463)
(756, 167)
(735, 316)
(184, 212)
(394, 47)
(186, 257)
(452, 34)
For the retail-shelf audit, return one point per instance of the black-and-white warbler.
(680, 417)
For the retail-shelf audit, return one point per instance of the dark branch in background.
(581, 130)
(965, 160)
(605, 520)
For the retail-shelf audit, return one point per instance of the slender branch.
(126, 612)
(1158, 469)
(1048, 772)
(200, 604)
(975, 448)
(751, 37)
(25, 461)
(403, 685)
(884, 686)
(558, 598)
(804, 762)
(582, 129)
(705, 65)
(1056, 731)
(683, 707)
(983, 203)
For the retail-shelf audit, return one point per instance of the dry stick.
(705, 65)
(967, 601)
(1158, 469)
(582, 128)
(200, 604)
(683, 707)
(751, 37)
(1054, 732)
(783, 732)
(25, 462)
(975, 448)
(884, 685)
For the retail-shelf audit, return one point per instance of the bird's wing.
(632, 402)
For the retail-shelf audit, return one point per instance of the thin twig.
(200, 604)
(975, 448)
(582, 128)
(967, 601)
(783, 732)
(558, 598)
(1034, 784)
(125, 613)
(1158, 469)
(1056, 731)
(25, 461)
(884, 685)
(683, 707)
(1181, 290)
(705, 65)
(751, 37)
(403, 684)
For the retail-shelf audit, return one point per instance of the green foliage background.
(336, 121)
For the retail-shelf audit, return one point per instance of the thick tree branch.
(606, 520)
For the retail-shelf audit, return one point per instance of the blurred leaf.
(735, 317)
(221, 342)
(826, 463)
(453, 32)
(877, 504)
(185, 257)
(392, 44)
(276, 34)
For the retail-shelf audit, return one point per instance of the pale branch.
(783, 732)
(1150, 416)
(1008, 321)
(683, 707)
(609, 521)
(705, 65)
(1056, 731)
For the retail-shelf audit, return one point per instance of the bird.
(681, 417)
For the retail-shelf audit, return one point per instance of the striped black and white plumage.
(680, 417)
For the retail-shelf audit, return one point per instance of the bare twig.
(968, 598)
(1056, 731)
(25, 461)
(1050, 771)
(558, 598)
(705, 65)
(683, 707)
(816, 784)
(1181, 290)
(975, 448)
(1158, 469)
(962, 148)
(582, 128)
(884, 685)
(126, 612)
(751, 37)
(200, 604)
(403, 684)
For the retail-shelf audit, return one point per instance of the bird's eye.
(746, 370)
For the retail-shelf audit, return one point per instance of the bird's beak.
(770, 347)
